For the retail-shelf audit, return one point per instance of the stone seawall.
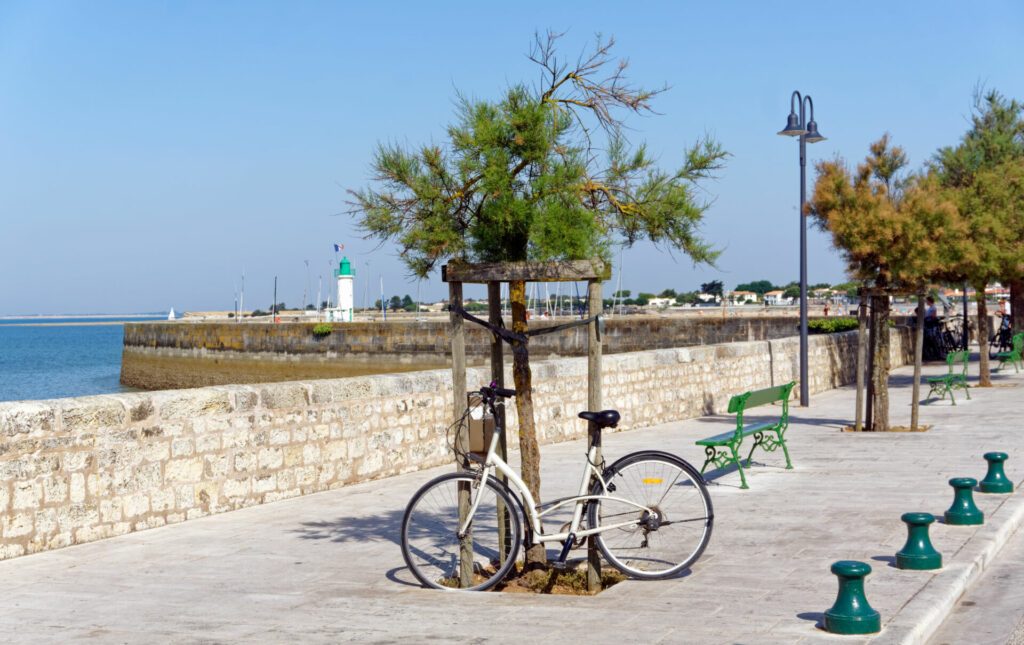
(81, 469)
(160, 355)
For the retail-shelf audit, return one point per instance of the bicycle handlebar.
(493, 390)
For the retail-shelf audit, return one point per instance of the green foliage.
(687, 298)
(668, 293)
(792, 291)
(625, 293)
(760, 287)
(892, 228)
(714, 288)
(519, 178)
(831, 325)
(984, 173)
(259, 312)
(321, 330)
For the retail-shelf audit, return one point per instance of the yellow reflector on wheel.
(652, 480)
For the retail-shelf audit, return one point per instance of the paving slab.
(327, 567)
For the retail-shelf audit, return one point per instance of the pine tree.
(524, 178)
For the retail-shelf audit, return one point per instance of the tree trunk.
(918, 352)
(880, 364)
(984, 375)
(1017, 304)
(529, 450)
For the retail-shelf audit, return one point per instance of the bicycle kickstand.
(566, 547)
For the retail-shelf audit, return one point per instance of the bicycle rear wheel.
(431, 545)
(672, 528)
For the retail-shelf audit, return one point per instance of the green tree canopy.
(760, 287)
(713, 288)
(520, 178)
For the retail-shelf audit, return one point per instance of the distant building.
(708, 297)
(661, 303)
(742, 297)
(776, 298)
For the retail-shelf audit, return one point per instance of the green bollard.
(918, 553)
(851, 613)
(963, 512)
(995, 479)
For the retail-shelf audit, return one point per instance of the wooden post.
(457, 334)
(862, 349)
(918, 355)
(595, 307)
(872, 341)
(498, 376)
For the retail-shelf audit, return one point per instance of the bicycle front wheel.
(656, 514)
(435, 553)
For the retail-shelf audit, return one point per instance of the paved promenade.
(327, 568)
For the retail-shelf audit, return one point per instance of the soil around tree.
(920, 428)
(571, 581)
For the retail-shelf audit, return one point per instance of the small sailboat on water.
(171, 315)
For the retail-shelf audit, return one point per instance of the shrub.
(322, 329)
(831, 325)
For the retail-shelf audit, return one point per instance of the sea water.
(46, 358)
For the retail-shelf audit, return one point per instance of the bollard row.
(851, 613)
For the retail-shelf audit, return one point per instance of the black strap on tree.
(512, 337)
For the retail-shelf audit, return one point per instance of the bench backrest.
(961, 357)
(754, 398)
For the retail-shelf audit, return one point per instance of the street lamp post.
(797, 125)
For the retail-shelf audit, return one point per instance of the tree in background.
(687, 298)
(713, 288)
(791, 291)
(760, 287)
(408, 304)
(983, 171)
(523, 178)
(893, 229)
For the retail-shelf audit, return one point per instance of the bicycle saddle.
(603, 419)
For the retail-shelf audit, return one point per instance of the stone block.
(26, 417)
(191, 404)
(27, 495)
(236, 488)
(264, 483)
(184, 470)
(270, 458)
(91, 413)
(17, 525)
(161, 500)
(182, 447)
(284, 395)
(207, 443)
(55, 489)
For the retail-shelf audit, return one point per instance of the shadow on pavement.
(386, 525)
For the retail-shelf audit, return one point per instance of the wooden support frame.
(455, 273)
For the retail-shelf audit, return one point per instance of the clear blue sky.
(151, 151)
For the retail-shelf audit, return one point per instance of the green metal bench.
(1014, 355)
(955, 379)
(723, 449)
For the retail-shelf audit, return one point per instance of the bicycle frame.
(495, 464)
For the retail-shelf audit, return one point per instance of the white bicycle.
(649, 513)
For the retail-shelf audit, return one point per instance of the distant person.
(930, 314)
(1004, 308)
(825, 310)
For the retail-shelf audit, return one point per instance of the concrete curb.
(922, 616)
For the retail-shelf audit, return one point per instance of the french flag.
(338, 248)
